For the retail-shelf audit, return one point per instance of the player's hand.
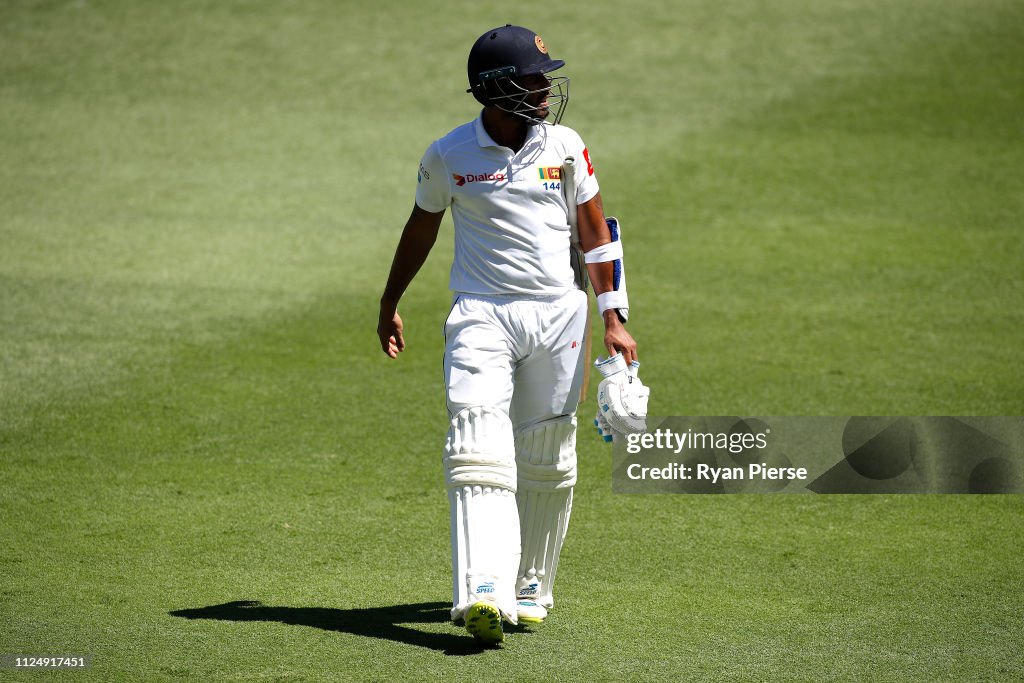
(389, 331)
(617, 339)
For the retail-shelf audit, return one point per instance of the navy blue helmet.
(504, 66)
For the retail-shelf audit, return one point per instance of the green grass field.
(210, 470)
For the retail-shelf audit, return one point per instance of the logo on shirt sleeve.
(590, 166)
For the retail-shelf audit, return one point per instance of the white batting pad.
(479, 459)
(485, 548)
(546, 457)
(480, 449)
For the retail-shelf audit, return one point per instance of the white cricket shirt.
(511, 225)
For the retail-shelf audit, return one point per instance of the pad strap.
(606, 252)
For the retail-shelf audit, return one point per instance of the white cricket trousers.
(522, 356)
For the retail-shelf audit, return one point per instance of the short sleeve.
(586, 181)
(433, 189)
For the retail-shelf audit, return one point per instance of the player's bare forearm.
(617, 338)
(417, 239)
(594, 232)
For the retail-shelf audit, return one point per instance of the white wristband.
(615, 299)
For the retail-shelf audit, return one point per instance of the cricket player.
(514, 338)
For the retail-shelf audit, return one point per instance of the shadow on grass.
(372, 622)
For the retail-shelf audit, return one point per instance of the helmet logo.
(540, 45)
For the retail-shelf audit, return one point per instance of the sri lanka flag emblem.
(550, 173)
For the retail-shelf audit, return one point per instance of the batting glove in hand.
(604, 430)
(621, 397)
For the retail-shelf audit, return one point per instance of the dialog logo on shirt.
(461, 180)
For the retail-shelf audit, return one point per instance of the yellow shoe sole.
(483, 621)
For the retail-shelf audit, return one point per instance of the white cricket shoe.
(530, 612)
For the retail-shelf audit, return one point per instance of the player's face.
(538, 85)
